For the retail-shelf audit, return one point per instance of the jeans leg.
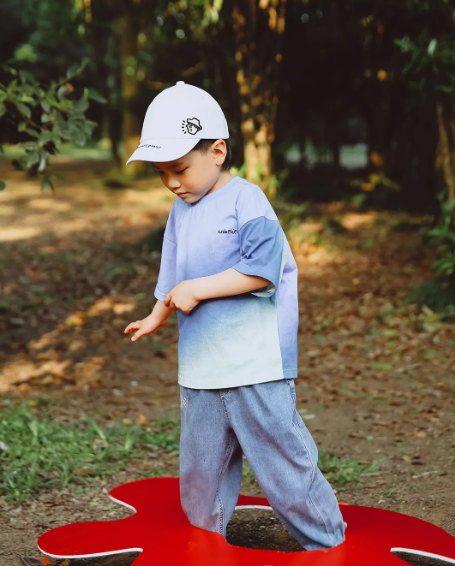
(210, 460)
(283, 457)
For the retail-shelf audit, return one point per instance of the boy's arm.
(226, 283)
(161, 311)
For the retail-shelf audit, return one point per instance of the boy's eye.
(179, 172)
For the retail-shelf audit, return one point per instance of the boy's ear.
(219, 151)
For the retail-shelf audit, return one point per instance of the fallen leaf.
(420, 434)
(141, 420)
(77, 319)
(83, 472)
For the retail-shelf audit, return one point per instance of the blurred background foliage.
(325, 100)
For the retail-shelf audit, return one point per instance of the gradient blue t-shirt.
(241, 339)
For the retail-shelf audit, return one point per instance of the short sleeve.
(261, 239)
(167, 275)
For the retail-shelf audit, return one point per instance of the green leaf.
(46, 183)
(45, 118)
(32, 158)
(45, 137)
(12, 85)
(2, 185)
(45, 106)
(96, 96)
(79, 137)
(73, 69)
(28, 145)
(81, 105)
(56, 141)
(65, 135)
(432, 47)
(26, 76)
(446, 89)
(24, 109)
(31, 132)
(2, 109)
(87, 129)
(381, 366)
(61, 93)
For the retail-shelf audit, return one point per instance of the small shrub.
(333, 226)
(437, 295)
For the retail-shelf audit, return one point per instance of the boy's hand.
(143, 327)
(183, 296)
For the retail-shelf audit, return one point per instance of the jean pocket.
(297, 419)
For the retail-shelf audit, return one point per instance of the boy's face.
(194, 175)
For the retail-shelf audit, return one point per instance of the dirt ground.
(376, 378)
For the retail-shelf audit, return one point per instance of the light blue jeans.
(261, 421)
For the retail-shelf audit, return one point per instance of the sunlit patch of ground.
(376, 376)
(80, 202)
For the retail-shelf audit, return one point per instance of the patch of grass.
(38, 452)
(335, 469)
(439, 296)
(340, 471)
(248, 476)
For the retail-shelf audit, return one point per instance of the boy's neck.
(224, 178)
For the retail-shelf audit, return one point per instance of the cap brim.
(163, 149)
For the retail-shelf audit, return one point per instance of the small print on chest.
(230, 231)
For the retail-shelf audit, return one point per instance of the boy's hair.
(204, 145)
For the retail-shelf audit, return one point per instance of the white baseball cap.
(176, 120)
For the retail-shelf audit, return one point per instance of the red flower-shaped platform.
(161, 532)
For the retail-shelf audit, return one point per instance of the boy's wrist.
(160, 310)
(200, 288)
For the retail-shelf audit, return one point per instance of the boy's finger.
(131, 327)
(138, 335)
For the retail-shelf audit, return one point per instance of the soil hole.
(124, 559)
(418, 560)
(260, 529)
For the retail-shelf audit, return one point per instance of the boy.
(228, 270)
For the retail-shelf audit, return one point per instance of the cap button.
(180, 83)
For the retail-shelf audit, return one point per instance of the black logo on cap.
(191, 126)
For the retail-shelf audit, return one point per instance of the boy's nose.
(173, 183)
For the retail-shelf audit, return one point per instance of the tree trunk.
(258, 26)
(446, 149)
(132, 123)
